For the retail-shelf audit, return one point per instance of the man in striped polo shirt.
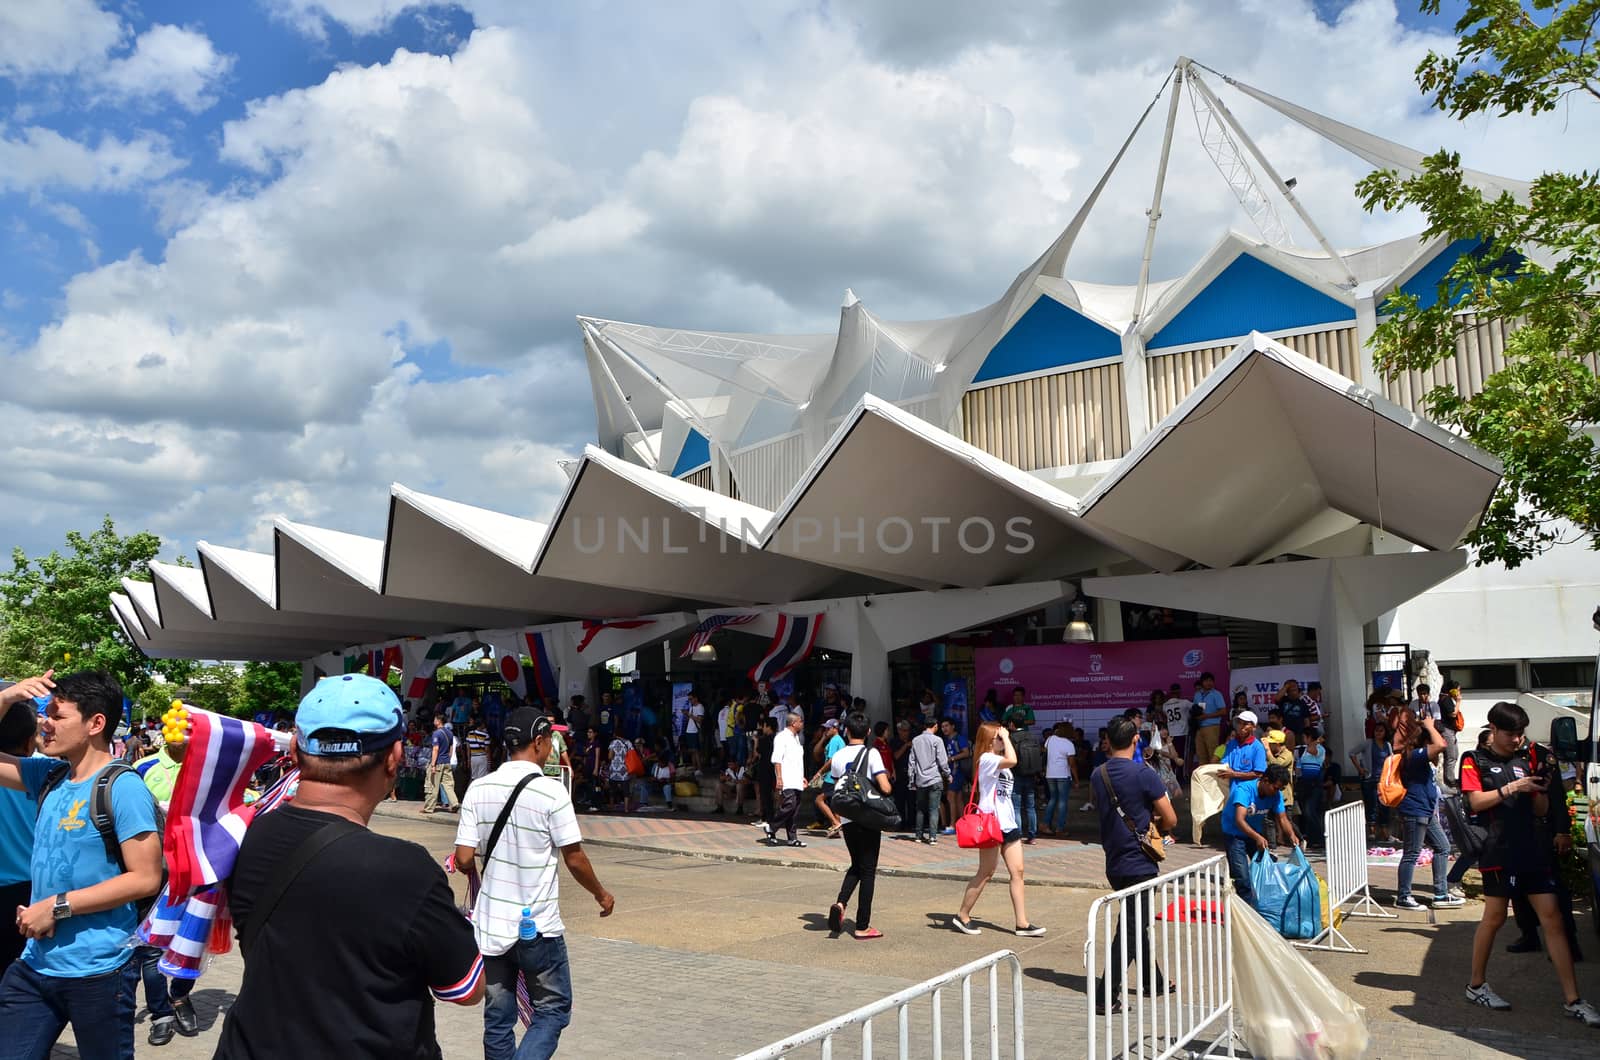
(518, 820)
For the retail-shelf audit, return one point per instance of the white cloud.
(357, 16)
(35, 157)
(732, 166)
(55, 36)
(169, 61)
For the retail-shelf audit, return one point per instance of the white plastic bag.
(1283, 1006)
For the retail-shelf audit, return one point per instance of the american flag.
(702, 633)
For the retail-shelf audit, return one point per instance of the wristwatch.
(62, 909)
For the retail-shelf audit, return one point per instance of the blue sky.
(263, 258)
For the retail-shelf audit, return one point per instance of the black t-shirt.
(1517, 840)
(1138, 789)
(345, 965)
(764, 767)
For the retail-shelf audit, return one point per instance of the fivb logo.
(1193, 657)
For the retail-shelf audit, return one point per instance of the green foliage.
(59, 605)
(214, 687)
(268, 686)
(1537, 271)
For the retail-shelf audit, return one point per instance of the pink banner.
(1088, 683)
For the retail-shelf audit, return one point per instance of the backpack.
(1391, 789)
(1030, 752)
(105, 823)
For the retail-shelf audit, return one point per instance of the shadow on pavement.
(1078, 984)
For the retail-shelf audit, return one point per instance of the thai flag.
(207, 816)
(593, 627)
(790, 645)
(381, 660)
(703, 632)
(542, 672)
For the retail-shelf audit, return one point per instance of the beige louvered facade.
(1057, 420)
(768, 470)
(1480, 352)
(1173, 376)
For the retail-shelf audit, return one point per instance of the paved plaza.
(709, 957)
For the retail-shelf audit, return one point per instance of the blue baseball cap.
(350, 715)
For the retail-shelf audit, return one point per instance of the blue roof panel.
(696, 452)
(1249, 295)
(1048, 335)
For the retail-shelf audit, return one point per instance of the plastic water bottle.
(529, 930)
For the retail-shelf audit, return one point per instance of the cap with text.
(350, 715)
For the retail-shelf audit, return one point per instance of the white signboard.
(1265, 683)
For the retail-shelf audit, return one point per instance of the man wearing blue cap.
(345, 933)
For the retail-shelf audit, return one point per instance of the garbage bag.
(1302, 908)
(1283, 1006)
(1269, 887)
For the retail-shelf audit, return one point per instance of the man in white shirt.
(732, 787)
(789, 759)
(520, 820)
(690, 744)
(1176, 709)
(1425, 705)
(1060, 756)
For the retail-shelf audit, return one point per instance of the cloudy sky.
(265, 258)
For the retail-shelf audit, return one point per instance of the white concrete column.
(1366, 324)
(1135, 385)
(869, 671)
(1341, 661)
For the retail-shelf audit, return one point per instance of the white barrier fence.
(1346, 830)
(823, 1033)
(1172, 930)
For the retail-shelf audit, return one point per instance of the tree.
(268, 687)
(1536, 270)
(55, 610)
(214, 687)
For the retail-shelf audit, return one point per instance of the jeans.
(543, 961)
(1419, 829)
(928, 810)
(158, 996)
(34, 1009)
(1025, 805)
(1239, 851)
(11, 942)
(1055, 811)
(863, 844)
(1138, 943)
(1309, 795)
(1377, 812)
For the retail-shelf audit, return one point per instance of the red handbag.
(978, 828)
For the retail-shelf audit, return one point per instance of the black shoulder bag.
(505, 815)
(856, 796)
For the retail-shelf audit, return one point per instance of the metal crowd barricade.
(1185, 914)
(1346, 829)
(823, 1033)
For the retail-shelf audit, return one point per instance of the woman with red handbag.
(990, 824)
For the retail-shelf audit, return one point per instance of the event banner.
(1088, 683)
(1265, 683)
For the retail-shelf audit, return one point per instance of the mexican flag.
(423, 659)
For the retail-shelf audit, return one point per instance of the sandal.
(794, 843)
(870, 933)
(835, 831)
(836, 917)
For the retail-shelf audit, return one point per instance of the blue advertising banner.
(955, 702)
(680, 706)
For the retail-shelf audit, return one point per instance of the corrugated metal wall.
(1173, 376)
(767, 471)
(1480, 352)
(1050, 421)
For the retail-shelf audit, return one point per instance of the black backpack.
(101, 817)
(1030, 752)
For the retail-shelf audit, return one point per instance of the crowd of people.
(81, 839)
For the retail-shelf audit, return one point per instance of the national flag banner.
(511, 673)
(353, 664)
(593, 627)
(702, 633)
(207, 816)
(381, 660)
(795, 637)
(543, 671)
(421, 671)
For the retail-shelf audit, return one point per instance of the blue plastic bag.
(1302, 909)
(1269, 886)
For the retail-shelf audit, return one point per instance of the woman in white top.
(862, 842)
(994, 796)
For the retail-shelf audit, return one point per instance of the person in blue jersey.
(1244, 758)
(1244, 821)
(77, 965)
(1311, 767)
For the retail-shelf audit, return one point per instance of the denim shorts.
(1012, 836)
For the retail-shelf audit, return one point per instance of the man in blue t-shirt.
(1244, 758)
(1128, 796)
(1210, 710)
(77, 966)
(1243, 818)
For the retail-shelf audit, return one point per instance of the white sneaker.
(1450, 902)
(1582, 1010)
(1485, 996)
(1456, 892)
